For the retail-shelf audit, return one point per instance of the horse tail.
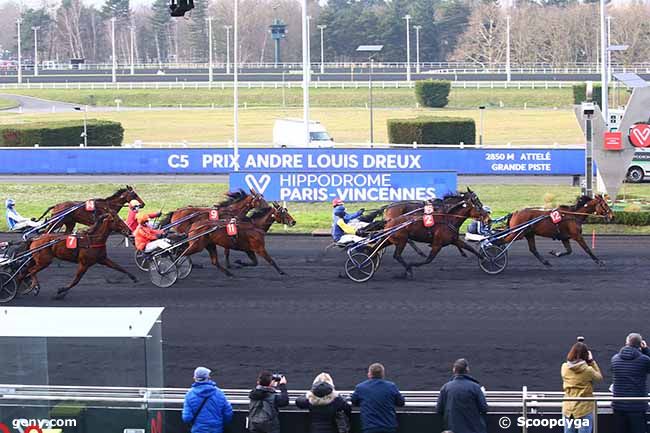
(370, 216)
(45, 213)
(166, 219)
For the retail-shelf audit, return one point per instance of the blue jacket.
(630, 367)
(337, 232)
(377, 399)
(462, 405)
(216, 411)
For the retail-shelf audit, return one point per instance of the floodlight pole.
(417, 48)
(236, 87)
(210, 74)
(114, 65)
(481, 109)
(305, 72)
(35, 50)
(508, 71)
(20, 57)
(372, 119)
(609, 53)
(132, 35)
(408, 47)
(228, 49)
(603, 64)
(322, 49)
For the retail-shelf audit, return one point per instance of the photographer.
(265, 402)
(579, 373)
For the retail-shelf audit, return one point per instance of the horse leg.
(251, 255)
(397, 255)
(214, 258)
(81, 270)
(567, 246)
(265, 255)
(226, 253)
(462, 245)
(419, 252)
(435, 249)
(533, 249)
(111, 264)
(581, 241)
(69, 226)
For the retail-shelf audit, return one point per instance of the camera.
(588, 108)
(276, 377)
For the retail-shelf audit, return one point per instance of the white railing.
(169, 85)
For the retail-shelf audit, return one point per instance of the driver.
(131, 218)
(344, 225)
(478, 230)
(147, 238)
(16, 221)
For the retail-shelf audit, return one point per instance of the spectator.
(206, 408)
(630, 367)
(324, 405)
(377, 398)
(265, 402)
(579, 373)
(462, 403)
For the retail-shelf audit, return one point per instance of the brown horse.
(90, 250)
(263, 219)
(249, 239)
(112, 203)
(237, 204)
(448, 220)
(570, 226)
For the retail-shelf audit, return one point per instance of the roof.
(71, 322)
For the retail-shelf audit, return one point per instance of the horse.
(263, 219)
(570, 226)
(236, 204)
(90, 250)
(448, 219)
(112, 203)
(249, 238)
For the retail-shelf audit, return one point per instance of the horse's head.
(282, 215)
(257, 199)
(602, 208)
(130, 194)
(477, 209)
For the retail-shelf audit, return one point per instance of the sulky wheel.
(142, 261)
(493, 259)
(8, 287)
(184, 266)
(359, 267)
(162, 271)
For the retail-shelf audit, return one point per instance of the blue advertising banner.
(270, 160)
(365, 186)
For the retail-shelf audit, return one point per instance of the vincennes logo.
(258, 185)
(640, 135)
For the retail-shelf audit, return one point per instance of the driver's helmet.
(487, 209)
(142, 218)
(134, 203)
(10, 202)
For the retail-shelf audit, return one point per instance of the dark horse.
(112, 203)
(448, 220)
(249, 239)
(263, 219)
(570, 227)
(237, 204)
(90, 250)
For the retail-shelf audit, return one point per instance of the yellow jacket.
(578, 381)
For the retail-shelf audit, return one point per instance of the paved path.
(28, 104)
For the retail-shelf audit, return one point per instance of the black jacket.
(462, 405)
(323, 404)
(630, 368)
(276, 399)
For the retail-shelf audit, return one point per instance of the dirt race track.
(515, 328)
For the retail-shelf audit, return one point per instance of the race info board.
(361, 186)
(466, 161)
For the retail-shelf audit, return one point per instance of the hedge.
(432, 93)
(432, 130)
(62, 133)
(580, 93)
(625, 218)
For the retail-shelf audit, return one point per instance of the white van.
(290, 133)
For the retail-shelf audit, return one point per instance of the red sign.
(71, 242)
(556, 217)
(428, 220)
(214, 215)
(640, 135)
(613, 141)
(231, 227)
(90, 205)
